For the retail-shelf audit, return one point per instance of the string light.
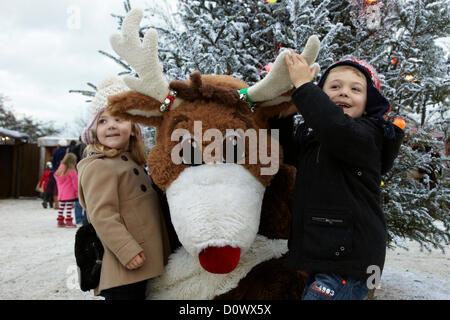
(411, 77)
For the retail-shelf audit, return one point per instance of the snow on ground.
(37, 261)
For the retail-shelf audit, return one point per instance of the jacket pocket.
(327, 234)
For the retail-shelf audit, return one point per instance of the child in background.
(46, 196)
(120, 202)
(338, 230)
(67, 182)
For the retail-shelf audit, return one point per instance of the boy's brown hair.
(353, 69)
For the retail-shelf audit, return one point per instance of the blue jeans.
(333, 287)
(80, 216)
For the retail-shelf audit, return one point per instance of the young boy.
(338, 231)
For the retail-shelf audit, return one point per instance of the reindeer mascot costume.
(228, 200)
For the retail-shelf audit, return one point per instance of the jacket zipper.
(327, 220)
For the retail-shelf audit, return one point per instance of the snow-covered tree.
(239, 38)
(416, 81)
(33, 128)
(398, 37)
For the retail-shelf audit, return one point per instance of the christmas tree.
(398, 38)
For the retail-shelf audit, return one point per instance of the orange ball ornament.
(401, 123)
(268, 67)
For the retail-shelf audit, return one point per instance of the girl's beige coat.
(125, 211)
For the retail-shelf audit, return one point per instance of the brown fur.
(222, 90)
(275, 212)
(118, 105)
(270, 280)
(214, 100)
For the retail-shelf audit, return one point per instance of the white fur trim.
(215, 205)
(185, 279)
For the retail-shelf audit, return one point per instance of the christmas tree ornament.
(369, 2)
(268, 67)
(373, 13)
(411, 77)
(400, 122)
(367, 13)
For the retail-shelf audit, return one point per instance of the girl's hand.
(299, 70)
(136, 262)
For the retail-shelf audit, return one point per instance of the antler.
(277, 81)
(143, 58)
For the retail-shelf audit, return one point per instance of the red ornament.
(268, 67)
(394, 61)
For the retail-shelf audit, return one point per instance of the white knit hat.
(63, 142)
(107, 87)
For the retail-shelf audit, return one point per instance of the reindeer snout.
(219, 260)
(215, 210)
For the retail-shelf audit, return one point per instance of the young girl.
(120, 202)
(46, 196)
(67, 182)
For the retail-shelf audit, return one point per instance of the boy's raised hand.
(299, 70)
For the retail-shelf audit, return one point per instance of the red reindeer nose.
(219, 259)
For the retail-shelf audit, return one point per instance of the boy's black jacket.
(337, 225)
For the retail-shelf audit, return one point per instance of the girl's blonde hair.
(136, 148)
(70, 162)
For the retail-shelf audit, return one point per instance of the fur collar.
(185, 279)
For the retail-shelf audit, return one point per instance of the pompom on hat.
(107, 87)
(377, 105)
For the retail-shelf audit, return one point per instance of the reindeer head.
(213, 155)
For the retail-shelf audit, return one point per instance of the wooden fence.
(19, 170)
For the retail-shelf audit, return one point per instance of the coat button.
(359, 173)
(337, 254)
(143, 188)
(342, 248)
(124, 158)
(136, 171)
